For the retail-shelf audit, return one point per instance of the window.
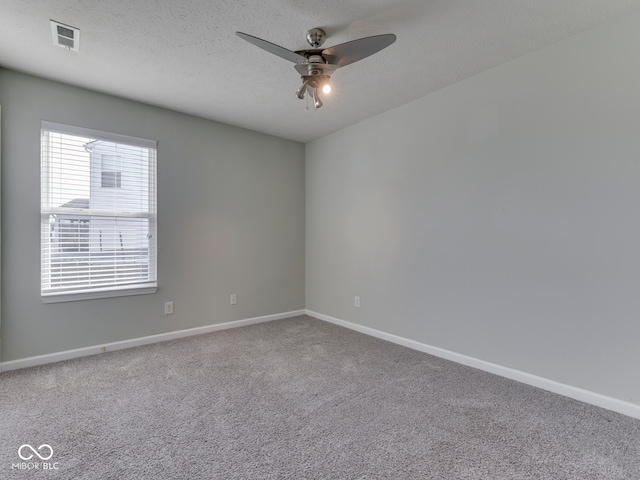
(111, 175)
(98, 214)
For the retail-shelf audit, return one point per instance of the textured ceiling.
(185, 55)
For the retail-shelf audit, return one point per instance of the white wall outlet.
(356, 302)
(168, 308)
(234, 299)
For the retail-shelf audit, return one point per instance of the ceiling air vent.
(65, 36)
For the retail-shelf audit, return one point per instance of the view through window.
(98, 213)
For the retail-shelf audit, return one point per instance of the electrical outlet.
(168, 308)
(234, 299)
(356, 302)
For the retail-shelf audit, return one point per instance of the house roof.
(77, 203)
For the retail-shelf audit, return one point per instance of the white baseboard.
(134, 342)
(610, 403)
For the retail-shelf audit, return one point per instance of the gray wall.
(230, 220)
(497, 218)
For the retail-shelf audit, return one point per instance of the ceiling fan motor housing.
(314, 68)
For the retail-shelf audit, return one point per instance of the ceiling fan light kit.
(316, 65)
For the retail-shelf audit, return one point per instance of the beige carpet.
(298, 399)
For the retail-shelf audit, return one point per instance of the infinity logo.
(36, 452)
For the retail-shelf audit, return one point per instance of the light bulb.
(316, 99)
(301, 91)
(326, 88)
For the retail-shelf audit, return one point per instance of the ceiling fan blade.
(349, 52)
(273, 48)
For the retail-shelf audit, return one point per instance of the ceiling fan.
(316, 65)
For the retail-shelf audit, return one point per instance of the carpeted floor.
(298, 399)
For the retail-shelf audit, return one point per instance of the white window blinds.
(98, 214)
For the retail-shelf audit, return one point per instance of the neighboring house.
(110, 235)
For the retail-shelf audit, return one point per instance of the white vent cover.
(65, 36)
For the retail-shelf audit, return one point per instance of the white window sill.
(93, 294)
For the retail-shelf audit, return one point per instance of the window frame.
(83, 293)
